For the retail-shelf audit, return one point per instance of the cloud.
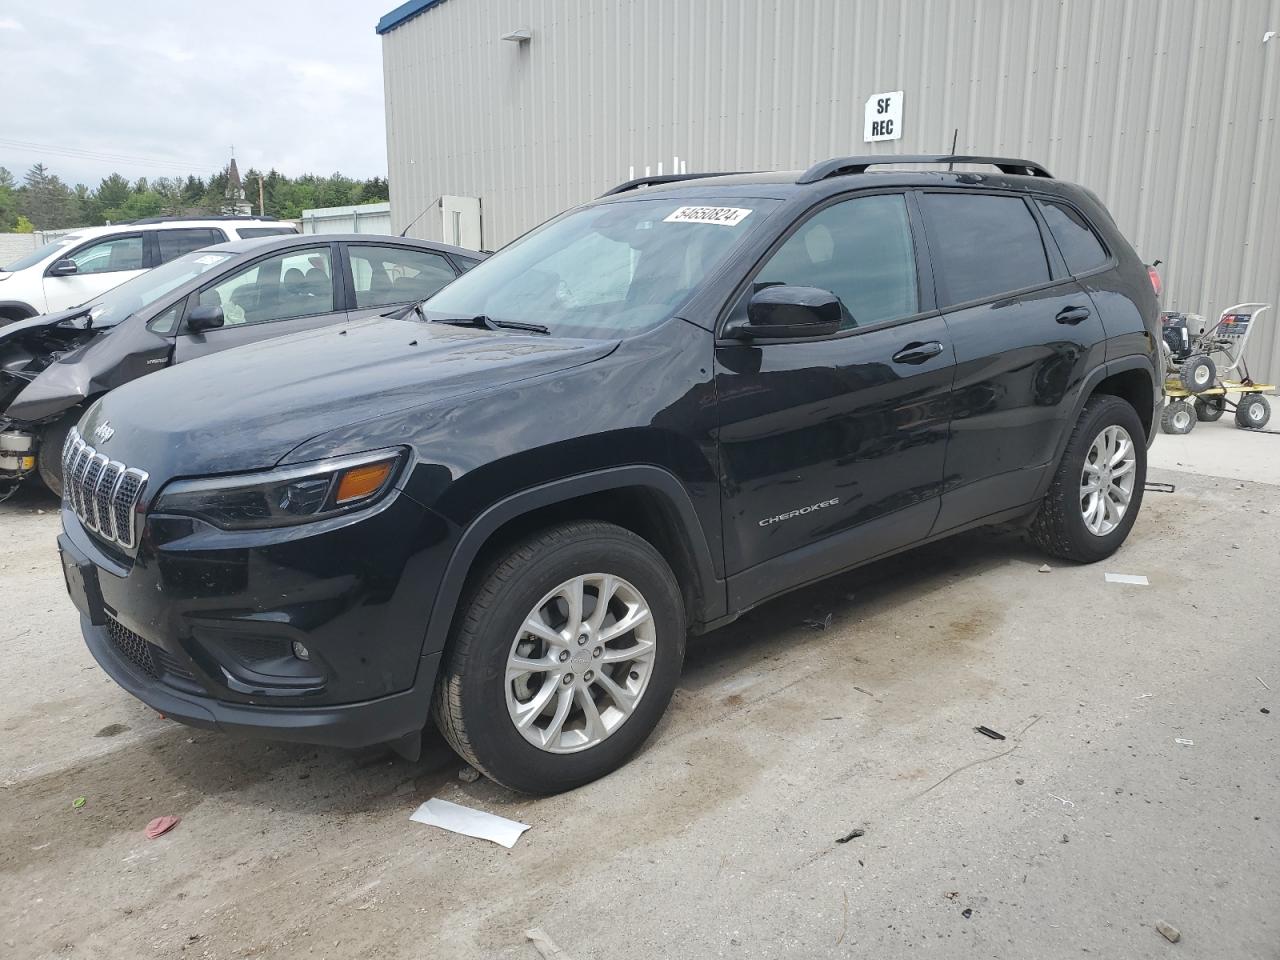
(290, 88)
(8, 23)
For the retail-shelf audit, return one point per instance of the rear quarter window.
(1080, 246)
(983, 246)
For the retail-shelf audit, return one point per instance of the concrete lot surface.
(1073, 837)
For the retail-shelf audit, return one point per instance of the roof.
(284, 241)
(406, 11)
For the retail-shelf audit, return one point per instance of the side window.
(386, 275)
(860, 250)
(982, 245)
(166, 322)
(174, 243)
(1080, 246)
(247, 233)
(110, 255)
(294, 284)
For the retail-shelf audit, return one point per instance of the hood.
(246, 408)
(28, 349)
(12, 330)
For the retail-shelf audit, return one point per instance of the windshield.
(35, 256)
(605, 271)
(132, 295)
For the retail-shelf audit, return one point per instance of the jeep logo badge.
(103, 431)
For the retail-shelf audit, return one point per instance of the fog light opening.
(300, 651)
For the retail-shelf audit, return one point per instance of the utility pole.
(261, 206)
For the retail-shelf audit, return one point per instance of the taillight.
(1156, 283)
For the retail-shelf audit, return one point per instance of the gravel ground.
(1074, 836)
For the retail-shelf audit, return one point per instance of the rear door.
(100, 265)
(296, 289)
(831, 450)
(382, 276)
(1025, 334)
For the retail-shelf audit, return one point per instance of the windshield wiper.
(488, 323)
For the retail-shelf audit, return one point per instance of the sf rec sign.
(882, 117)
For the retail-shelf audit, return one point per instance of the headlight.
(288, 495)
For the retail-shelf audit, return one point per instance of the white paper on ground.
(1127, 578)
(472, 823)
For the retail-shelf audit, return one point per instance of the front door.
(1025, 334)
(285, 293)
(100, 265)
(831, 450)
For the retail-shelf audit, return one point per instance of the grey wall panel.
(1166, 108)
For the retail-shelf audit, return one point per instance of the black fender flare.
(477, 533)
(1087, 387)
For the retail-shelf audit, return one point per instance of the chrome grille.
(102, 492)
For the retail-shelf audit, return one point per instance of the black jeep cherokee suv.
(507, 507)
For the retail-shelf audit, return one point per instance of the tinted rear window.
(983, 246)
(1080, 246)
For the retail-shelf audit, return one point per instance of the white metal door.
(460, 221)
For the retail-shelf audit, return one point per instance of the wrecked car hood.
(245, 409)
(51, 363)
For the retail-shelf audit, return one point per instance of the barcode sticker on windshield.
(724, 216)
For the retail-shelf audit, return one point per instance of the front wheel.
(1096, 492)
(49, 454)
(564, 656)
(1178, 416)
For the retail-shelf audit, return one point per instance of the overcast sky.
(167, 88)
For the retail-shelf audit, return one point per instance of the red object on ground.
(161, 825)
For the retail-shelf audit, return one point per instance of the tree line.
(42, 201)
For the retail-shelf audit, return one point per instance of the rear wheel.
(1253, 411)
(1096, 493)
(565, 654)
(1198, 373)
(1209, 409)
(1178, 417)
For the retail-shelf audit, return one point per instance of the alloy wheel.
(580, 663)
(1106, 482)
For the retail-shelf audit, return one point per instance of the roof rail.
(198, 216)
(639, 182)
(842, 166)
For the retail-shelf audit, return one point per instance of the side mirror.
(63, 268)
(204, 318)
(790, 311)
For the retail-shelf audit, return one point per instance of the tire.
(1198, 373)
(1210, 409)
(476, 700)
(1060, 527)
(49, 453)
(1178, 416)
(1253, 411)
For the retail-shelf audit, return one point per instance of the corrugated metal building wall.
(1166, 108)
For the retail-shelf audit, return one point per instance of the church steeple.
(234, 203)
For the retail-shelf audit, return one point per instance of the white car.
(78, 266)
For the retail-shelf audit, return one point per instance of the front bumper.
(343, 725)
(204, 626)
